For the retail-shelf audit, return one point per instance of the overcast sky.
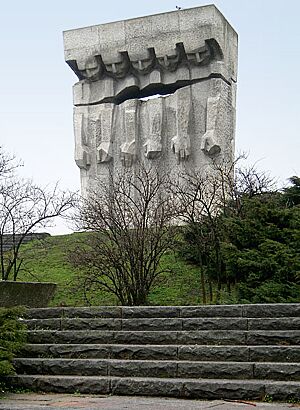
(36, 84)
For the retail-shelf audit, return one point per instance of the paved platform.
(32, 401)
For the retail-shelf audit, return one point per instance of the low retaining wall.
(30, 294)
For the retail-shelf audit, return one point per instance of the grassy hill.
(47, 260)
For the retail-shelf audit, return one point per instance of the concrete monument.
(187, 57)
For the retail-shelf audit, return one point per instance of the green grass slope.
(47, 261)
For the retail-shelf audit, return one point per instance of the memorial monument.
(188, 58)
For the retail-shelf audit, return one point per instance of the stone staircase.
(245, 352)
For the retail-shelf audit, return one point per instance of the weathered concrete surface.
(71, 402)
(188, 58)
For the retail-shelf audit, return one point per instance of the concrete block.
(173, 53)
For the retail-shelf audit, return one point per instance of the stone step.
(125, 312)
(186, 388)
(233, 351)
(165, 352)
(157, 368)
(140, 324)
(206, 337)
(226, 323)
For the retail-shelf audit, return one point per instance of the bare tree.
(249, 182)
(8, 165)
(24, 208)
(201, 197)
(131, 220)
(207, 196)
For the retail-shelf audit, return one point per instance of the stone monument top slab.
(161, 32)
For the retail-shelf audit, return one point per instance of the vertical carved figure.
(128, 147)
(153, 144)
(104, 148)
(181, 143)
(209, 143)
(82, 156)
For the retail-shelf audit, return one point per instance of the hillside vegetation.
(248, 252)
(47, 261)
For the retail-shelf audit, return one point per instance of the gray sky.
(36, 84)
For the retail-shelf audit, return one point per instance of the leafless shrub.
(24, 208)
(131, 223)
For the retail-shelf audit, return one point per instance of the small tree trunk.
(202, 276)
(210, 291)
(228, 286)
(218, 292)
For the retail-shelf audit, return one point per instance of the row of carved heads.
(93, 68)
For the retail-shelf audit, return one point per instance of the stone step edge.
(156, 361)
(136, 345)
(240, 310)
(175, 324)
(160, 332)
(232, 337)
(215, 333)
(160, 368)
(195, 352)
(187, 388)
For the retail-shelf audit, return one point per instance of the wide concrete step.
(185, 388)
(165, 352)
(226, 323)
(206, 337)
(157, 368)
(203, 311)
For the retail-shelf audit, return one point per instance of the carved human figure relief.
(181, 143)
(81, 154)
(104, 149)
(89, 67)
(210, 144)
(153, 144)
(128, 147)
(94, 66)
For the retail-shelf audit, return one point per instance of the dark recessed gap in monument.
(150, 90)
(134, 92)
(159, 89)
